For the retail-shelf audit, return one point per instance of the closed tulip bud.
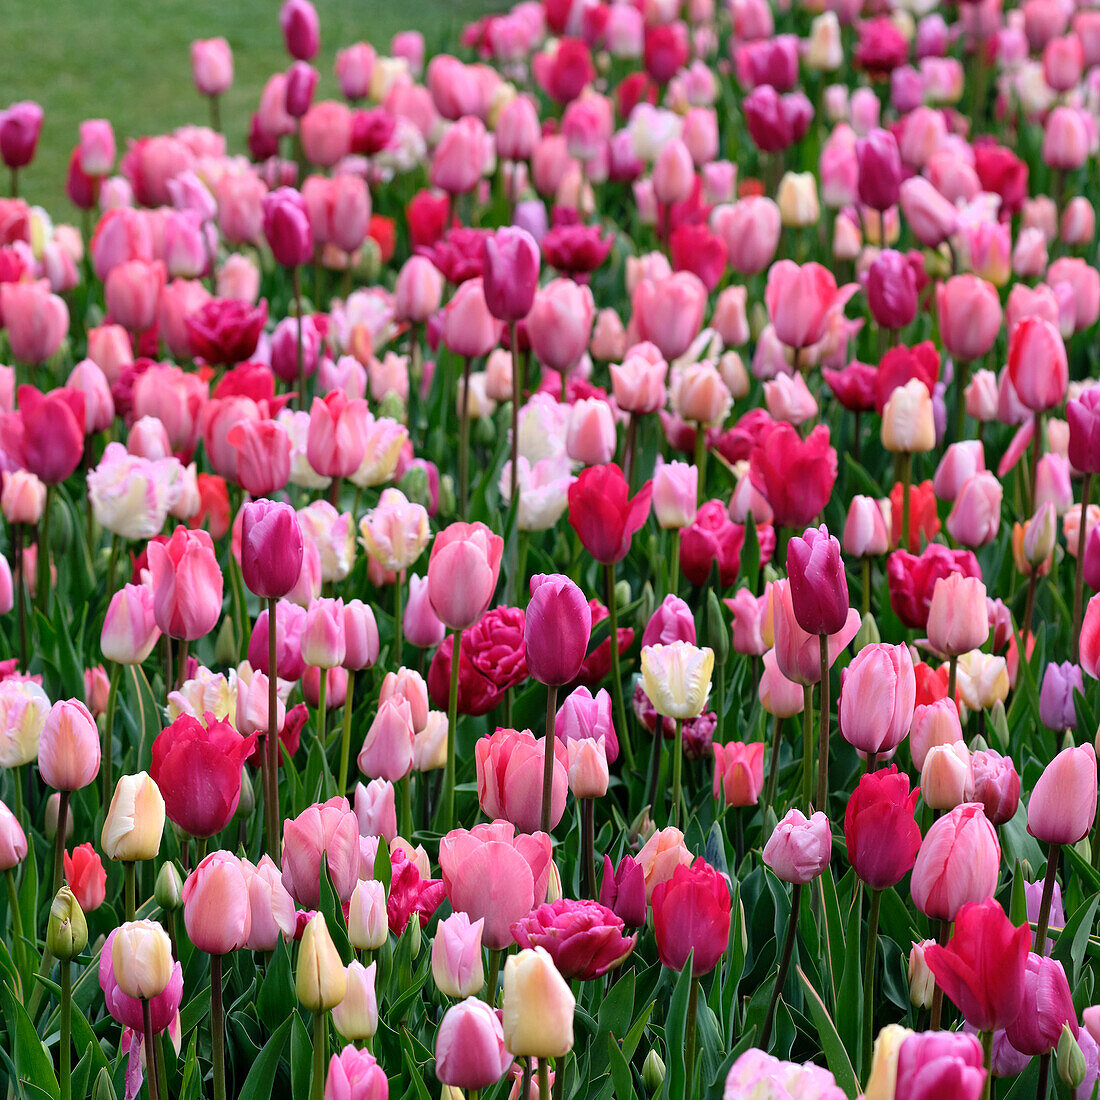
(653, 1072)
(675, 494)
(271, 548)
(557, 629)
(908, 423)
(323, 644)
(321, 981)
(103, 1088)
(538, 1006)
(456, 956)
(141, 955)
(356, 1016)
(68, 751)
(958, 862)
(1063, 802)
(588, 775)
(1070, 1059)
(957, 617)
(368, 927)
(168, 891)
(1039, 536)
(818, 586)
(945, 779)
(717, 632)
(135, 820)
(13, 841)
(67, 930)
(921, 982)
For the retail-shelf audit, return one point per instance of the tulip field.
(559, 563)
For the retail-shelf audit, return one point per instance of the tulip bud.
(53, 808)
(538, 1006)
(104, 1088)
(1070, 1059)
(368, 927)
(67, 930)
(553, 884)
(135, 820)
(356, 1016)
(867, 634)
(653, 1072)
(168, 891)
(717, 631)
(321, 981)
(921, 982)
(227, 646)
(884, 1062)
(456, 956)
(247, 802)
(998, 721)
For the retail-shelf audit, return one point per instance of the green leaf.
(849, 1004)
(1070, 949)
(334, 914)
(261, 1077)
(836, 1055)
(416, 1072)
(620, 1071)
(32, 1062)
(276, 1000)
(675, 1083)
(617, 1007)
(833, 930)
(301, 1058)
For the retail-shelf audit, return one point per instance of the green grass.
(129, 61)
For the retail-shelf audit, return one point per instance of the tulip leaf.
(276, 999)
(620, 1071)
(675, 1083)
(301, 1059)
(1086, 716)
(833, 930)
(32, 1063)
(849, 1004)
(82, 1071)
(261, 1077)
(836, 1054)
(1070, 948)
(416, 1073)
(1081, 867)
(334, 914)
(617, 1008)
(634, 1035)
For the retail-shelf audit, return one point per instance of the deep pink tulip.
(271, 548)
(1047, 1007)
(1062, 807)
(880, 831)
(557, 629)
(1037, 363)
(510, 271)
(584, 938)
(287, 228)
(187, 584)
(462, 573)
(819, 588)
(691, 914)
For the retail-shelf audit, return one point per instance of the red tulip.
(603, 513)
(86, 877)
(197, 767)
(880, 831)
(912, 579)
(795, 475)
(983, 966)
(691, 913)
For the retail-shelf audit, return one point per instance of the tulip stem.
(217, 1026)
(986, 1038)
(588, 846)
(271, 749)
(807, 743)
(906, 460)
(452, 718)
(773, 763)
(59, 839)
(784, 965)
(296, 280)
(952, 676)
(1043, 922)
(162, 1078)
(869, 980)
(630, 442)
(20, 592)
(963, 370)
(616, 677)
(866, 586)
(823, 739)
(517, 394)
(130, 878)
(66, 1029)
(345, 738)
(677, 768)
(150, 1057)
(689, 1036)
(937, 992)
(1029, 605)
(108, 733)
(398, 618)
(1079, 579)
(17, 788)
(16, 923)
(544, 1079)
(317, 1085)
(548, 757)
(674, 564)
(322, 688)
(701, 456)
(43, 563)
(464, 440)
(405, 795)
(1036, 452)
(494, 972)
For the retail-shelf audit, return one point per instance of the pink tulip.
(327, 830)
(958, 862)
(799, 848)
(877, 696)
(970, 316)
(1063, 802)
(187, 584)
(387, 751)
(336, 441)
(68, 750)
(216, 910)
(36, 320)
(560, 322)
(462, 573)
(668, 312)
(739, 772)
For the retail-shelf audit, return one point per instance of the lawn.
(129, 61)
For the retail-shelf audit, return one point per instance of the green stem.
(906, 480)
(869, 980)
(616, 676)
(217, 1026)
(317, 1085)
(59, 839)
(986, 1038)
(701, 457)
(807, 744)
(43, 563)
(823, 740)
(494, 972)
(322, 689)
(866, 587)
(150, 1057)
(20, 593)
(962, 369)
(1053, 854)
(937, 992)
(398, 625)
(588, 846)
(544, 1079)
(271, 748)
(689, 1036)
(17, 787)
(162, 1077)
(296, 280)
(452, 718)
(773, 765)
(108, 734)
(952, 676)
(677, 769)
(674, 564)
(548, 757)
(1036, 452)
(130, 877)
(517, 395)
(16, 922)
(66, 1030)
(784, 965)
(405, 797)
(1079, 579)
(464, 440)
(345, 736)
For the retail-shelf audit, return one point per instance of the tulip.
(957, 617)
(1057, 707)
(880, 832)
(557, 630)
(799, 848)
(470, 1050)
(388, 746)
(141, 957)
(216, 908)
(877, 698)
(129, 628)
(271, 548)
(819, 590)
(368, 926)
(462, 573)
(135, 820)
(738, 772)
(356, 1016)
(320, 981)
(456, 956)
(931, 1061)
(355, 1073)
(945, 778)
(271, 908)
(86, 877)
(958, 862)
(538, 1006)
(187, 584)
(1047, 1007)
(13, 841)
(983, 966)
(1063, 802)
(970, 319)
(327, 831)
(1037, 364)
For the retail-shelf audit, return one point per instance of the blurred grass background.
(129, 61)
